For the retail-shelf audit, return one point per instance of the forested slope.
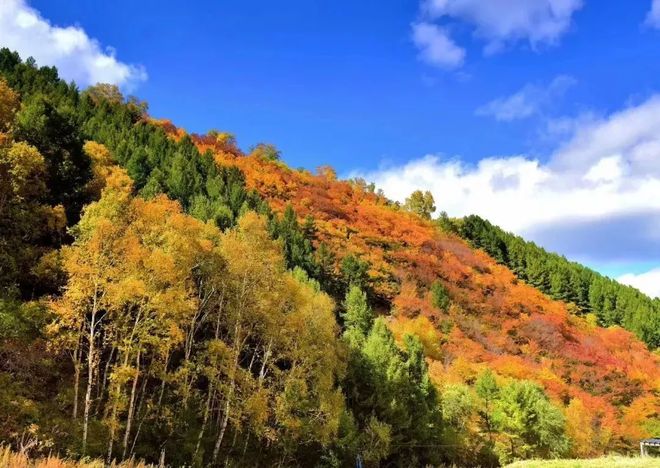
(492, 320)
(167, 296)
(612, 303)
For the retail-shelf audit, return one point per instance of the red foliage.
(497, 321)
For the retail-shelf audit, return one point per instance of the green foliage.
(56, 119)
(302, 276)
(439, 296)
(389, 392)
(421, 203)
(200, 336)
(488, 392)
(31, 228)
(486, 386)
(458, 407)
(611, 302)
(486, 424)
(327, 275)
(296, 240)
(267, 151)
(21, 321)
(28, 375)
(355, 272)
(532, 426)
(358, 316)
(56, 136)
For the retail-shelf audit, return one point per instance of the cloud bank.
(595, 199)
(648, 282)
(77, 56)
(498, 23)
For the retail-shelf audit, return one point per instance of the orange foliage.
(175, 132)
(497, 321)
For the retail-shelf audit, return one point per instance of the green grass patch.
(604, 462)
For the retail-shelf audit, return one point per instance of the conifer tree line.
(151, 306)
(591, 293)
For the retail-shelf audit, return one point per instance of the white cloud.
(631, 133)
(499, 22)
(653, 18)
(505, 22)
(603, 180)
(606, 170)
(648, 283)
(77, 56)
(436, 47)
(528, 101)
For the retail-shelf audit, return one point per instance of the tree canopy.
(166, 297)
(421, 203)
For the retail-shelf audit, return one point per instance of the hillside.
(611, 303)
(494, 321)
(166, 295)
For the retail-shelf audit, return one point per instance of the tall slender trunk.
(161, 393)
(77, 363)
(118, 388)
(140, 405)
(195, 322)
(111, 438)
(225, 416)
(262, 372)
(113, 419)
(90, 368)
(211, 389)
(188, 381)
(76, 390)
(207, 411)
(232, 386)
(245, 446)
(131, 406)
(104, 382)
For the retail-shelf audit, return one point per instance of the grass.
(604, 462)
(10, 459)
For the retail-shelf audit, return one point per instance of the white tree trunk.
(131, 406)
(90, 369)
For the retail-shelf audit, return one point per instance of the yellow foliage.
(421, 327)
(102, 167)
(26, 169)
(579, 428)
(9, 103)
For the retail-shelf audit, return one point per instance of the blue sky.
(341, 82)
(538, 114)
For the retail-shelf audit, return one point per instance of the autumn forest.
(171, 298)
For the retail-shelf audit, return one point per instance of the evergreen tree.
(531, 425)
(358, 316)
(439, 296)
(611, 302)
(355, 272)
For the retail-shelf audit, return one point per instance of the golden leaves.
(9, 104)
(26, 169)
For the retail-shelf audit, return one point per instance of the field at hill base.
(609, 462)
